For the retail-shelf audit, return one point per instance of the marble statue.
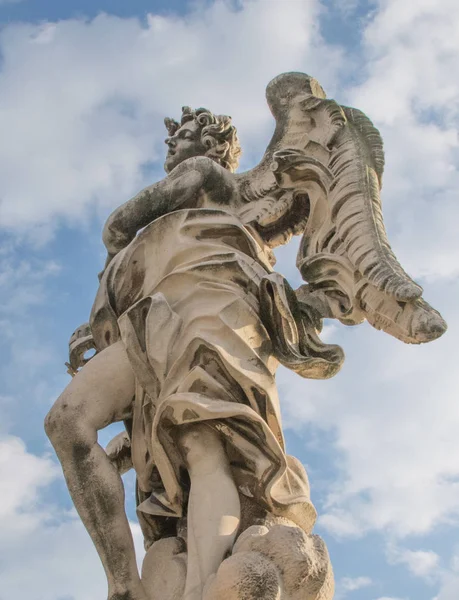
(189, 325)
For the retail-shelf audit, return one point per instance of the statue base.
(276, 562)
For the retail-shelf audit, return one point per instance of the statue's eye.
(185, 134)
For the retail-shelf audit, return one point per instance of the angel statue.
(189, 324)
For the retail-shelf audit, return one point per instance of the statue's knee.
(49, 424)
(202, 447)
(63, 423)
(55, 419)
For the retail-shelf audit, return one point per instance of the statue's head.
(201, 133)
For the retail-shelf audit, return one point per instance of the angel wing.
(322, 174)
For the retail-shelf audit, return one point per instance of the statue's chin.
(171, 162)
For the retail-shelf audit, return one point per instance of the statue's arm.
(180, 189)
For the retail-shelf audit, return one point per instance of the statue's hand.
(119, 452)
(80, 344)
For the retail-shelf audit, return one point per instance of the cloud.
(81, 117)
(392, 412)
(346, 7)
(26, 346)
(21, 477)
(83, 101)
(22, 281)
(42, 546)
(421, 563)
(410, 88)
(449, 588)
(393, 418)
(82, 104)
(351, 584)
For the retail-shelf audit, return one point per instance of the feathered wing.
(276, 211)
(323, 168)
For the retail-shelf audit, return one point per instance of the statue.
(190, 322)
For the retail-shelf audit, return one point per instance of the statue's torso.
(178, 251)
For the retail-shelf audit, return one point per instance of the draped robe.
(186, 298)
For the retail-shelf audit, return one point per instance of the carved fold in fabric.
(190, 320)
(296, 344)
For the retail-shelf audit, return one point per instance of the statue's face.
(185, 143)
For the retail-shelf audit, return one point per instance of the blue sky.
(84, 87)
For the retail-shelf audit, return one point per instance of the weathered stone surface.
(280, 563)
(190, 323)
(302, 560)
(245, 575)
(164, 569)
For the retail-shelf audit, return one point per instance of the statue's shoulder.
(208, 174)
(204, 165)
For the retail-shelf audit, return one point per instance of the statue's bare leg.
(213, 506)
(100, 394)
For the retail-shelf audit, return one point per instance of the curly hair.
(217, 134)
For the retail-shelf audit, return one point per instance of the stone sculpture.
(190, 322)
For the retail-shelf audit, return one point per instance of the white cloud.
(393, 410)
(411, 90)
(43, 547)
(58, 559)
(393, 416)
(341, 523)
(449, 589)
(81, 116)
(394, 419)
(422, 563)
(25, 349)
(351, 584)
(83, 102)
(21, 477)
(23, 281)
(346, 7)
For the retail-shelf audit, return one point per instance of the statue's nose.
(169, 141)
